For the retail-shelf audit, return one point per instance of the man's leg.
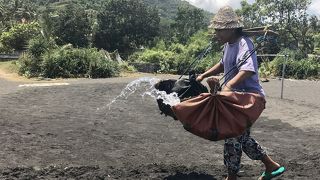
(255, 152)
(251, 147)
(232, 157)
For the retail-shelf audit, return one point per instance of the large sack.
(219, 116)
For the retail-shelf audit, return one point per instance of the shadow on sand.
(190, 176)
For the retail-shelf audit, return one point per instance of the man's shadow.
(190, 176)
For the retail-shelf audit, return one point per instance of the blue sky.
(214, 5)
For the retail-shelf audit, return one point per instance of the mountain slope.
(169, 8)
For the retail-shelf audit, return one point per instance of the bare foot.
(270, 164)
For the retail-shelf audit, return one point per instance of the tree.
(291, 19)
(187, 22)
(18, 35)
(250, 14)
(316, 38)
(288, 17)
(13, 11)
(70, 25)
(314, 24)
(125, 25)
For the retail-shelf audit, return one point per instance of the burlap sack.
(220, 116)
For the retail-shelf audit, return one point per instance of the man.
(228, 28)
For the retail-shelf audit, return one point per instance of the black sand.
(67, 132)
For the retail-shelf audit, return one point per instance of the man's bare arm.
(242, 75)
(216, 69)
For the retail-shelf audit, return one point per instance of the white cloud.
(315, 7)
(214, 5)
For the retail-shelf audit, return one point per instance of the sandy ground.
(67, 132)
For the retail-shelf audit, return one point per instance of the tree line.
(123, 25)
(141, 32)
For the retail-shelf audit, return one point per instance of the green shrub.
(196, 45)
(5, 49)
(101, 67)
(176, 58)
(72, 62)
(161, 45)
(38, 46)
(265, 69)
(199, 66)
(165, 59)
(29, 65)
(177, 48)
(209, 61)
(135, 56)
(307, 68)
(31, 61)
(125, 67)
(316, 39)
(298, 69)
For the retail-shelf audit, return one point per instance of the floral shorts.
(233, 148)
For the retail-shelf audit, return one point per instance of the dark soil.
(68, 132)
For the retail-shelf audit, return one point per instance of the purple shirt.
(233, 53)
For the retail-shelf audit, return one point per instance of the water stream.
(146, 86)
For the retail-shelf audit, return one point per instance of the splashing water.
(147, 85)
(170, 99)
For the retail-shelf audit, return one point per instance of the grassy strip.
(9, 67)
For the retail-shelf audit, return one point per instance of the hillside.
(167, 8)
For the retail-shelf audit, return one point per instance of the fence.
(13, 56)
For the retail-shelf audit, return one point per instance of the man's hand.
(216, 69)
(227, 88)
(200, 78)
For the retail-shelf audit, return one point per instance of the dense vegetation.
(72, 38)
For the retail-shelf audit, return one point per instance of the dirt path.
(66, 132)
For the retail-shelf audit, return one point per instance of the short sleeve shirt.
(233, 54)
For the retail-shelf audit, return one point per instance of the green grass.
(9, 66)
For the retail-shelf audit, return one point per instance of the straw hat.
(226, 18)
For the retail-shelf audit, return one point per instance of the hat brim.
(226, 25)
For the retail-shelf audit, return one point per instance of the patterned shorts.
(233, 148)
